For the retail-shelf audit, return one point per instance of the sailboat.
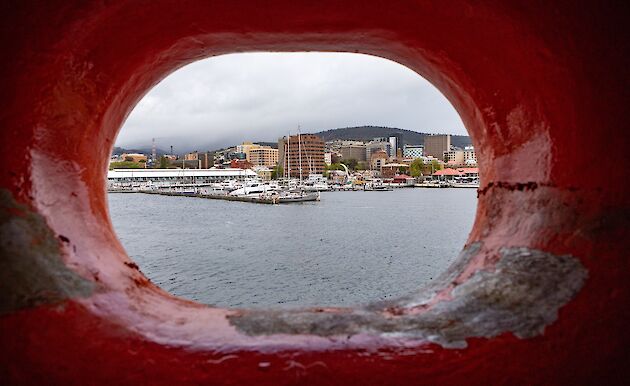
(296, 190)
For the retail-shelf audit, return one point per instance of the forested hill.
(366, 133)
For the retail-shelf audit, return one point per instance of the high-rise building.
(354, 151)
(304, 155)
(282, 144)
(395, 144)
(436, 144)
(264, 156)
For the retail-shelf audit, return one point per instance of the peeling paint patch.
(521, 294)
(31, 269)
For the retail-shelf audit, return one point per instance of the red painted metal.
(542, 89)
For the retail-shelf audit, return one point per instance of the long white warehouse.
(179, 175)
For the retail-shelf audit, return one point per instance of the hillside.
(120, 150)
(365, 133)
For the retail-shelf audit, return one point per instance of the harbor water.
(349, 248)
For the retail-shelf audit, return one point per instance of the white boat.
(376, 185)
(465, 182)
(255, 189)
(297, 197)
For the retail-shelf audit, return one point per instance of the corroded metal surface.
(32, 272)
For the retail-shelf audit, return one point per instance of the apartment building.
(303, 155)
(263, 156)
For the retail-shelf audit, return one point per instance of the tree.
(163, 162)
(416, 168)
(333, 166)
(436, 166)
(351, 163)
(277, 172)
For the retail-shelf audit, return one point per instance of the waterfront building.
(413, 151)
(450, 174)
(436, 144)
(355, 151)
(304, 155)
(391, 169)
(263, 156)
(177, 175)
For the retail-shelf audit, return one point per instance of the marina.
(244, 185)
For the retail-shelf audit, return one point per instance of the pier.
(257, 200)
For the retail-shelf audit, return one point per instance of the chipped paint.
(521, 295)
(32, 271)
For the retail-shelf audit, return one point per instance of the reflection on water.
(347, 249)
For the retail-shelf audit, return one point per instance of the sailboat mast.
(300, 151)
(286, 156)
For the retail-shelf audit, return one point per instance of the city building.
(304, 155)
(264, 173)
(391, 169)
(375, 146)
(395, 144)
(413, 151)
(378, 159)
(245, 147)
(455, 157)
(353, 151)
(436, 144)
(328, 158)
(134, 157)
(470, 157)
(263, 156)
(240, 164)
(205, 160)
(194, 156)
(282, 144)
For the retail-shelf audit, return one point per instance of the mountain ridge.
(366, 133)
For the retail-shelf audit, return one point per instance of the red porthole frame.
(530, 82)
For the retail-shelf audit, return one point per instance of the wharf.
(208, 196)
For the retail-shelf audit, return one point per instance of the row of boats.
(277, 191)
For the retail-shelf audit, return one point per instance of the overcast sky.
(229, 99)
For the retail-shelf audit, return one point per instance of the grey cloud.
(225, 100)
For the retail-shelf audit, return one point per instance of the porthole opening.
(396, 185)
